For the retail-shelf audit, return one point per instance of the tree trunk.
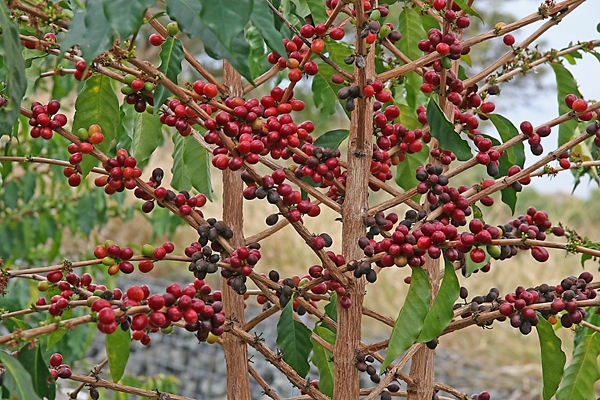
(236, 352)
(360, 149)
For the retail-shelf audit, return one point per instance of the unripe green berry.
(384, 31)
(108, 261)
(42, 286)
(126, 89)
(173, 28)
(375, 15)
(130, 78)
(147, 250)
(148, 86)
(83, 134)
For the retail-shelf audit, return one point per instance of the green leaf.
(509, 197)
(126, 16)
(55, 336)
(441, 312)
(15, 80)
(411, 28)
(406, 171)
(145, 131)
(191, 166)
(16, 379)
(13, 323)
(258, 57)
(187, 15)
(583, 371)
(317, 10)
(97, 103)
(10, 194)
(32, 360)
(553, 358)
(331, 308)
(171, 55)
(322, 359)
(91, 30)
(465, 7)
(263, 18)
(411, 317)
(332, 139)
(515, 154)
(293, 339)
(225, 21)
(27, 186)
(117, 351)
(566, 84)
(443, 131)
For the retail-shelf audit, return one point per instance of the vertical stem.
(236, 352)
(360, 149)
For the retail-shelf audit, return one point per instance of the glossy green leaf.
(323, 360)
(406, 171)
(144, 130)
(465, 7)
(15, 80)
(293, 339)
(411, 317)
(262, 18)
(325, 92)
(226, 21)
(515, 155)
(411, 28)
(117, 351)
(13, 323)
(126, 16)
(191, 166)
(317, 10)
(257, 61)
(566, 84)
(187, 15)
(97, 103)
(441, 312)
(171, 56)
(31, 358)
(443, 131)
(332, 139)
(553, 358)
(16, 379)
(90, 29)
(583, 371)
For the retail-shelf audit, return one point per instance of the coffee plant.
(399, 74)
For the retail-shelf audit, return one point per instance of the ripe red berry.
(579, 105)
(155, 39)
(336, 33)
(508, 40)
(56, 359)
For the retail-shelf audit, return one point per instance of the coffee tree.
(399, 72)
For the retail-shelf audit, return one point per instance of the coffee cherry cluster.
(296, 51)
(486, 155)
(445, 157)
(57, 368)
(45, 119)
(533, 225)
(196, 304)
(204, 261)
(122, 172)
(593, 129)
(380, 222)
(321, 165)
(446, 45)
(372, 88)
(182, 117)
(242, 261)
(481, 396)
(535, 138)
(275, 190)
(68, 285)
(364, 363)
(134, 89)
(579, 106)
(329, 284)
(212, 231)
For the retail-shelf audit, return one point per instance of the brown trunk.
(236, 352)
(347, 380)
(422, 366)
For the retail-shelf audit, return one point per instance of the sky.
(581, 24)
